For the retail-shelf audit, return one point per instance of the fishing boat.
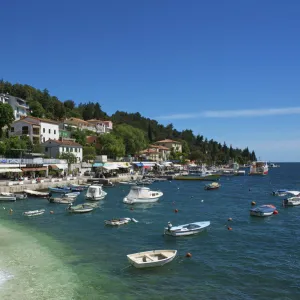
(153, 258)
(259, 168)
(117, 222)
(7, 197)
(263, 210)
(36, 194)
(32, 213)
(186, 229)
(61, 200)
(291, 201)
(198, 174)
(212, 186)
(140, 194)
(80, 209)
(95, 193)
(59, 189)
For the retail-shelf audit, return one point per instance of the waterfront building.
(170, 144)
(19, 106)
(37, 129)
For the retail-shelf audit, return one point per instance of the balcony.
(36, 131)
(22, 104)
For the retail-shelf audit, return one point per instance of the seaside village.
(54, 138)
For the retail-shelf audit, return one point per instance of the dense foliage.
(132, 132)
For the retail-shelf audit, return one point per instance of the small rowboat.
(63, 200)
(153, 258)
(71, 195)
(80, 209)
(212, 186)
(187, 229)
(36, 194)
(118, 222)
(32, 213)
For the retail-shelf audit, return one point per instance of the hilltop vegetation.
(132, 132)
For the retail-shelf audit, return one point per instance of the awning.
(97, 165)
(34, 169)
(54, 167)
(110, 167)
(148, 164)
(123, 165)
(10, 170)
(138, 164)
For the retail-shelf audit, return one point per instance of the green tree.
(36, 109)
(70, 158)
(111, 145)
(79, 136)
(133, 138)
(69, 104)
(150, 133)
(6, 116)
(89, 153)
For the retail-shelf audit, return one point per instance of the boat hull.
(293, 201)
(187, 233)
(90, 198)
(133, 201)
(260, 214)
(183, 230)
(202, 178)
(7, 198)
(34, 213)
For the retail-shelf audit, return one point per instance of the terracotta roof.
(25, 121)
(41, 120)
(167, 141)
(65, 143)
(91, 139)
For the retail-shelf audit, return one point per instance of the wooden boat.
(150, 259)
(95, 193)
(186, 229)
(63, 200)
(212, 186)
(140, 194)
(80, 209)
(117, 222)
(32, 213)
(36, 194)
(263, 210)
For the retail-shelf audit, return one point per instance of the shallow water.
(63, 256)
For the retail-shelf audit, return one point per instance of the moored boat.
(201, 174)
(71, 195)
(186, 229)
(212, 186)
(150, 259)
(32, 213)
(95, 193)
(80, 209)
(36, 194)
(259, 168)
(291, 201)
(59, 189)
(139, 194)
(17, 196)
(7, 197)
(63, 200)
(117, 222)
(263, 210)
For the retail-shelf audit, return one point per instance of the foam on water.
(29, 270)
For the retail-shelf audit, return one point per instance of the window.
(54, 131)
(44, 130)
(44, 140)
(71, 149)
(49, 130)
(67, 149)
(46, 149)
(75, 149)
(12, 129)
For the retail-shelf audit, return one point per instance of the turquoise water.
(63, 256)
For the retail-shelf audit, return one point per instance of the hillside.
(195, 147)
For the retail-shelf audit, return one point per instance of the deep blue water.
(257, 259)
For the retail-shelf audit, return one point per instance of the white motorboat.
(32, 213)
(263, 210)
(36, 194)
(7, 197)
(291, 201)
(71, 195)
(139, 194)
(95, 192)
(117, 222)
(186, 229)
(153, 258)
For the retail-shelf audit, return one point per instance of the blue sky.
(228, 70)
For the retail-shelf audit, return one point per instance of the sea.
(75, 256)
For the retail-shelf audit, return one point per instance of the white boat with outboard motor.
(32, 213)
(186, 229)
(291, 201)
(150, 259)
(80, 209)
(120, 221)
(141, 194)
(95, 193)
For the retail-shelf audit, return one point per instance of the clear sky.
(229, 70)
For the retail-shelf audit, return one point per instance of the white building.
(39, 130)
(19, 106)
(101, 126)
(54, 148)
